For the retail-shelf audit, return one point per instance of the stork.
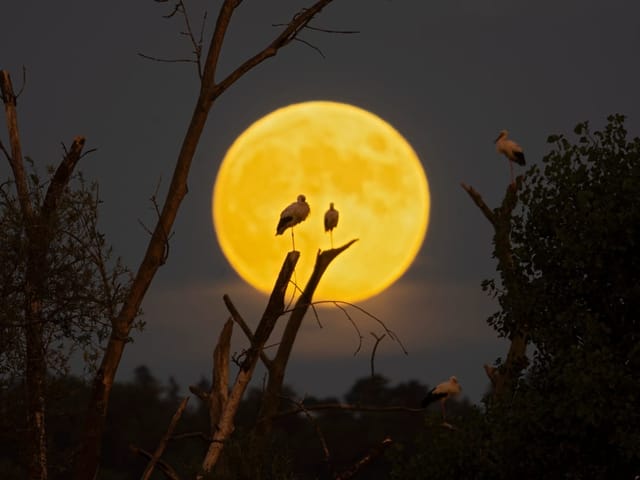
(331, 221)
(293, 215)
(442, 392)
(509, 149)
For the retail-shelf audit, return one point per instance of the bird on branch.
(293, 215)
(331, 221)
(442, 392)
(509, 149)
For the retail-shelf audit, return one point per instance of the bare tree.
(155, 256)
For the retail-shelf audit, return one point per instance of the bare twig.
(387, 330)
(165, 440)
(347, 407)
(168, 471)
(373, 351)
(244, 327)
(354, 324)
(200, 435)
(314, 422)
(167, 60)
(372, 455)
(24, 82)
(310, 45)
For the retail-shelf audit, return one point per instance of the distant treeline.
(140, 411)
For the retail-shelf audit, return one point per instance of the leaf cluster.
(84, 282)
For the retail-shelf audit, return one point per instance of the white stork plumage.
(509, 149)
(331, 217)
(293, 215)
(442, 392)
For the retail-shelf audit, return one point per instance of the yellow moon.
(329, 152)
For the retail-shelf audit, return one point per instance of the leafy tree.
(60, 287)
(567, 237)
(575, 252)
(84, 283)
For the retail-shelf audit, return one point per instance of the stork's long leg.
(331, 236)
(293, 242)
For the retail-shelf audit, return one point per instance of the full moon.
(329, 152)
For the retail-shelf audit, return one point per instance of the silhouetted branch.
(354, 324)
(165, 440)
(387, 330)
(373, 454)
(164, 466)
(323, 442)
(244, 327)
(373, 351)
(346, 407)
(181, 8)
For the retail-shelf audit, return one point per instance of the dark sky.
(447, 75)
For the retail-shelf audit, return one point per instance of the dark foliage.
(574, 412)
(140, 411)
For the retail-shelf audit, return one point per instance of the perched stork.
(442, 392)
(331, 220)
(293, 215)
(509, 149)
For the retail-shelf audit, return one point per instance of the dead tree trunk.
(503, 378)
(224, 425)
(277, 368)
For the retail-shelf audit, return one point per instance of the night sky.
(447, 75)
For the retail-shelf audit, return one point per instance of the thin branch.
(327, 30)
(299, 21)
(245, 328)
(354, 324)
(323, 442)
(346, 407)
(387, 330)
(373, 352)
(310, 45)
(4, 150)
(168, 471)
(165, 440)
(372, 455)
(24, 82)
(200, 435)
(477, 199)
(167, 60)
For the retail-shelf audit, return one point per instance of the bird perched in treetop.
(509, 149)
(442, 392)
(331, 217)
(293, 215)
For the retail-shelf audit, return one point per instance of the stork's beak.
(497, 138)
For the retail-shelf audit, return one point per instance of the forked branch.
(503, 377)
